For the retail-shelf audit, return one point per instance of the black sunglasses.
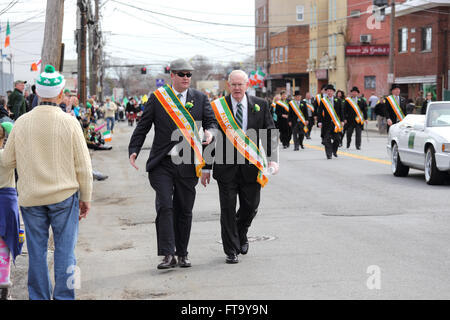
(182, 74)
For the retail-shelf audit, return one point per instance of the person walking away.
(47, 147)
(110, 111)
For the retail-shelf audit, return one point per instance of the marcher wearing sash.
(330, 120)
(242, 173)
(355, 110)
(283, 120)
(273, 109)
(297, 120)
(310, 113)
(394, 106)
(172, 108)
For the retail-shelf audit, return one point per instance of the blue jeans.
(110, 123)
(63, 218)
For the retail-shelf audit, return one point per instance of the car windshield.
(439, 115)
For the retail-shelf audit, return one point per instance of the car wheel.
(398, 168)
(432, 175)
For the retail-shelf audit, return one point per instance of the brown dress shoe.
(169, 261)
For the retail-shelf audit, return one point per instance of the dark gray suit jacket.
(154, 113)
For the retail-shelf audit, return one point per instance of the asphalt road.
(344, 228)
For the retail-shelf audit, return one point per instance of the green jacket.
(17, 104)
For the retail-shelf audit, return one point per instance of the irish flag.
(8, 33)
(107, 136)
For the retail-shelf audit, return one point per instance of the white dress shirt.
(244, 103)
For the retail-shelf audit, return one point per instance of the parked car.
(422, 142)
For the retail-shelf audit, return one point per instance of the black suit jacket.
(261, 119)
(389, 113)
(350, 114)
(293, 116)
(324, 117)
(154, 113)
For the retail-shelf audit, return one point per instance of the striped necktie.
(239, 115)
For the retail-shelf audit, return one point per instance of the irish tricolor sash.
(239, 139)
(394, 105)
(283, 104)
(274, 105)
(184, 121)
(333, 114)
(299, 114)
(359, 114)
(310, 106)
(318, 98)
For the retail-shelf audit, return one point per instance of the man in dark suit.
(330, 130)
(426, 102)
(283, 121)
(234, 174)
(311, 114)
(391, 116)
(352, 119)
(174, 183)
(296, 124)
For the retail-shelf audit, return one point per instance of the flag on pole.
(8, 33)
(34, 65)
(107, 136)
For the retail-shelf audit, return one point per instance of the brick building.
(422, 47)
(367, 48)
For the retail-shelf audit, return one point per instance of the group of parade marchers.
(239, 144)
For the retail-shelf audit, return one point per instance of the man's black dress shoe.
(244, 248)
(232, 258)
(335, 154)
(169, 261)
(184, 262)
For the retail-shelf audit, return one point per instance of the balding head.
(238, 84)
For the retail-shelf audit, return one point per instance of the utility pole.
(81, 37)
(391, 45)
(51, 48)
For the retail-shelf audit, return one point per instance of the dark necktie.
(239, 115)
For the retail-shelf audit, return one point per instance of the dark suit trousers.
(174, 201)
(298, 133)
(331, 141)
(234, 225)
(358, 132)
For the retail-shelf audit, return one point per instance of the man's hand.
(273, 167)
(208, 137)
(133, 161)
(320, 124)
(84, 209)
(285, 116)
(290, 124)
(389, 122)
(206, 177)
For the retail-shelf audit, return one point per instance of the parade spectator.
(110, 110)
(426, 103)
(380, 113)
(373, 100)
(16, 100)
(31, 97)
(4, 113)
(419, 99)
(55, 185)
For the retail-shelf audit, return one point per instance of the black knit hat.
(355, 89)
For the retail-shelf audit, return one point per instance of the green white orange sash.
(299, 114)
(309, 106)
(184, 121)
(283, 104)
(333, 114)
(239, 139)
(318, 98)
(274, 105)
(394, 105)
(359, 115)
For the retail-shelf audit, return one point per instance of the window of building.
(264, 40)
(264, 14)
(276, 55)
(370, 82)
(426, 38)
(402, 39)
(285, 54)
(300, 13)
(272, 56)
(280, 54)
(257, 42)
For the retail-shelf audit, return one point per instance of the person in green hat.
(48, 149)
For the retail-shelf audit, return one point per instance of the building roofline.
(412, 6)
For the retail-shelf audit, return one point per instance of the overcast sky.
(141, 36)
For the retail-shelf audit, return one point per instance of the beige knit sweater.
(49, 150)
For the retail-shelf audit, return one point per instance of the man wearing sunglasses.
(174, 183)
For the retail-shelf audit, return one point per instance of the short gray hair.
(238, 72)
